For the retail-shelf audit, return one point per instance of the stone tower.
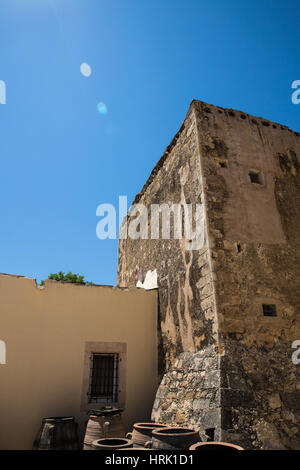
(229, 310)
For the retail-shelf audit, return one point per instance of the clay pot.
(142, 432)
(171, 438)
(133, 448)
(57, 433)
(111, 443)
(101, 424)
(216, 446)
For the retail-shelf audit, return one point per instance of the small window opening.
(269, 310)
(210, 432)
(256, 177)
(104, 378)
(239, 247)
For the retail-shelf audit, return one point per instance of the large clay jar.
(103, 423)
(111, 443)
(130, 449)
(216, 446)
(57, 433)
(142, 433)
(171, 438)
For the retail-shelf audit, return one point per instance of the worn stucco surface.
(46, 331)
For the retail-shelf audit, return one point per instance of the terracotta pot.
(57, 433)
(142, 432)
(133, 448)
(173, 438)
(102, 424)
(216, 446)
(111, 443)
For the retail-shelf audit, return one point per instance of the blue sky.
(60, 157)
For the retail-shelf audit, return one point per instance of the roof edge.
(208, 106)
(49, 282)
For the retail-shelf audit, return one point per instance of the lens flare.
(85, 69)
(102, 108)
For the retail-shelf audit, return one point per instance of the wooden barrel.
(101, 426)
(216, 446)
(173, 438)
(142, 432)
(57, 433)
(112, 443)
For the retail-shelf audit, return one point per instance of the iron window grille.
(104, 378)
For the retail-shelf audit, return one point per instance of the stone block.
(236, 398)
(274, 401)
(212, 379)
(211, 418)
(291, 400)
(200, 404)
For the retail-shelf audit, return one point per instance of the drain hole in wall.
(210, 432)
(223, 163)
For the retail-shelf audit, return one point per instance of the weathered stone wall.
(254, 237)
(189, 394)
(211, 299)
(260, 396)
(187, 313)
(186, 294)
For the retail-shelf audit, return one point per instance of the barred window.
(104, 378)
(104, 375)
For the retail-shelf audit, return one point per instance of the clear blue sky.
(60, 157)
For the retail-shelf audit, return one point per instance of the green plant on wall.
(69, 277)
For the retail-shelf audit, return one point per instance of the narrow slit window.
(269, 310)
(104, 378)
(256, 177)
(238, 247)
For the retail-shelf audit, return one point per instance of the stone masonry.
(228, 309)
